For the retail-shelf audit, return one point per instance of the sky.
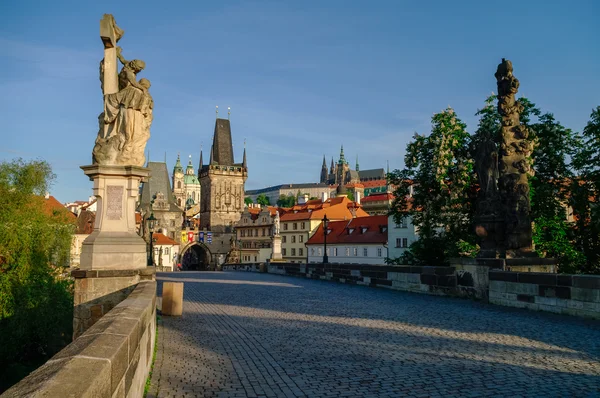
(302, 78)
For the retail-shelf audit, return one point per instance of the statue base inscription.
(114, 244)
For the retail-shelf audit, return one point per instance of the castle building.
(222, 183)
(341, 173)
(186, 186)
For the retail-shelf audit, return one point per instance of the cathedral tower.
(222, 183)
(324, 174)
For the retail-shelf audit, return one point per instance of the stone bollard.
(172, 298)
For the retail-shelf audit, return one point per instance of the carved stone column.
(514, 166)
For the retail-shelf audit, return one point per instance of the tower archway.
(195, 257)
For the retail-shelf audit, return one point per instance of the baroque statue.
(515, 166)
(276, 224)
(124, 125)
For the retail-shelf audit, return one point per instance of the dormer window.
(363, 230)
(350, 230)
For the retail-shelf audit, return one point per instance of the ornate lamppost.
(325, 224)
(151, 223)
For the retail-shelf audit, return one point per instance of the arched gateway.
(195, 257)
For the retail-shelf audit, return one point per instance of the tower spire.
(228, 112)
(342, 158)
(200, 162)
(212, 148)
(357, 167)
(244, 164)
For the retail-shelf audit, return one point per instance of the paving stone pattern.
(261, 335)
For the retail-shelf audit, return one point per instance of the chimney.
(357, 197)
(324, 196)
(47, 195)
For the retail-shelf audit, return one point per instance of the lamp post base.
(325, 259)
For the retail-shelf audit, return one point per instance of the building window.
(365, 252)
(379, 252)
(319, 252)
(301, 252)
(403, 223)
(255, 259)
(303, 225)
(172, 223)
(327, 251)
(284, 238)
(402, 242)
(264, 232)
(301, 238)
(178, 184)
(293, 238)
(166, 251)
(335, 253)
(355, 251)
(283, 251)
(295, 226)
(312, 251)
(285, 226)
(293, 252)
(347, 252)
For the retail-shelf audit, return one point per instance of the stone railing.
(559, 293)
(473, 278)
(110, 359)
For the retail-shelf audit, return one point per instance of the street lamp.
(325, 224)
(151, 223)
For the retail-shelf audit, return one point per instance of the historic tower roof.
(222, 149)
(357, 168)
(190, 167)
(200, 162)
(177, 167)
(342, 158)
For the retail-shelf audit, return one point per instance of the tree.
(263, 200)
(286, 201)
(585, 191)
(439, 168)
(350, 195)
(248, 201)
(36, 302)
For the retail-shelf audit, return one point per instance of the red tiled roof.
(339, 208)
(374, 183)
(53, 206)
(378, 196)
(160, 239)
(375, 231)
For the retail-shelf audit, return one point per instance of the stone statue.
(276, 224)
(515, 166)
(486, 164)
(124, 126)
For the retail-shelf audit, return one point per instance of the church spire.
(324, 171)
(357, 168)
(332, 169)
(244, 164)
(200, 162)
(342, 158)
(212, 149)
(178, 167)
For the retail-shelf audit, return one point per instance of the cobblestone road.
(254, 335)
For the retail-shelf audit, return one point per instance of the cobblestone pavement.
(253, 335)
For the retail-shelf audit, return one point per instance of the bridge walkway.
(260, 335)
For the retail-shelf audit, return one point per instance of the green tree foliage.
(439, 168)
(350, 195)
(263, 200)
(248, 201)
(286, 201)
(585, 193)
(36, 300)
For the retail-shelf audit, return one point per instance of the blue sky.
(301, 77)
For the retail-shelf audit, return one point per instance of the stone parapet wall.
(99, 291)
(563, 294)
(420, 279)
(111, 359)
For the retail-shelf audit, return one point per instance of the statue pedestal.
(276, 254)
(114, 244)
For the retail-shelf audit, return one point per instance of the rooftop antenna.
(228, 112)
(217, 110)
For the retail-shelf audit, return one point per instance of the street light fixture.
(325, 224)
(151, 223)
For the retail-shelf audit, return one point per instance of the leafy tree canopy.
(263, 200)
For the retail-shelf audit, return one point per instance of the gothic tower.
(178, 185)
(324, 175)
(222, 183)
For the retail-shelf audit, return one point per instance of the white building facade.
(401, 236)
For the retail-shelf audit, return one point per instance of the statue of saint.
(486, 165)
(124, 126)
(276, 224)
